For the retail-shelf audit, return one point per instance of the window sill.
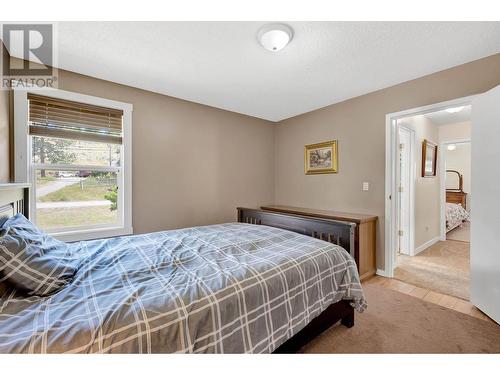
(92, 234)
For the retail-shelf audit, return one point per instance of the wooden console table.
(365, 237)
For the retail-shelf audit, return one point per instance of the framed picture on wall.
(429, 158)
(321, 158)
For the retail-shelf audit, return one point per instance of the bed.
(455, 215)
(456, 201)
(227, 288)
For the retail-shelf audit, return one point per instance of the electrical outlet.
(366, 186)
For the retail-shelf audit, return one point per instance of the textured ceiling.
(445, 118)
(222, 65)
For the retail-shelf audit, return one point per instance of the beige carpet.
(443, 267)
(461, 233)
(398, 323)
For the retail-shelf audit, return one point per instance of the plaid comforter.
(225, 288)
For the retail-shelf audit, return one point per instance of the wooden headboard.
(457, 195)
(14, 198)
(338, 232)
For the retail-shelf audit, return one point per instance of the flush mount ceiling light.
(275, 37)
(452, 147)
(454, 109)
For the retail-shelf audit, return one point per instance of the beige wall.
(459, 159)
(192, 164)
(359, 126)
(453, 132)
(427, 189)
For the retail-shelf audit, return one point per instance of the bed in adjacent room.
(227, 288)
(456, 215)
(456, 201)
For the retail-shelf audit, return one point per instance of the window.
(78, 162)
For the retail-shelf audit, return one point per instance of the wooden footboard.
(337, 232)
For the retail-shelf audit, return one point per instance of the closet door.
(485, 215)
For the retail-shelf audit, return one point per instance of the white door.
(404, 190)
(485, 216)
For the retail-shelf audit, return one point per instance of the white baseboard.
(427, 244)
(381, 272)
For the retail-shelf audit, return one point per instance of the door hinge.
(401, 146)
(400, 232)
(400, 189)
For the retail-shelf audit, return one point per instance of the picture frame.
(321, 158)
(429, 158)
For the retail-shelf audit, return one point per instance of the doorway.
(428, 185)
(395, 201)
(456, 192)
(484, 257)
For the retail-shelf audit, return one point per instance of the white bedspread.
(455, 215)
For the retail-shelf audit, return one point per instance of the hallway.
(443, 267)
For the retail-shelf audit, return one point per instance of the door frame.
(442, 181)
(411, 190)
(391, 144)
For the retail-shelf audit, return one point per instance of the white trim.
(442, 181)
(411, 188)
(13, 185)
(390, 203)
(23, 170)
(427, 244)
(390, 168)
(92, 234)
(77, 97)
(127, 172)
(21, 137)
(79, 167)
(381, 273)
(413, 178)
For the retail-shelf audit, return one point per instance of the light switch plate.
(366, 186)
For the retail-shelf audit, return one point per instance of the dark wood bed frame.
(337, 232)
(14, 198)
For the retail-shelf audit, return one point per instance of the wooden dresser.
(365, 236)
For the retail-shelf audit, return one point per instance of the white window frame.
(23, 168)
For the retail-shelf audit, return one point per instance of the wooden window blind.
(50, 117)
